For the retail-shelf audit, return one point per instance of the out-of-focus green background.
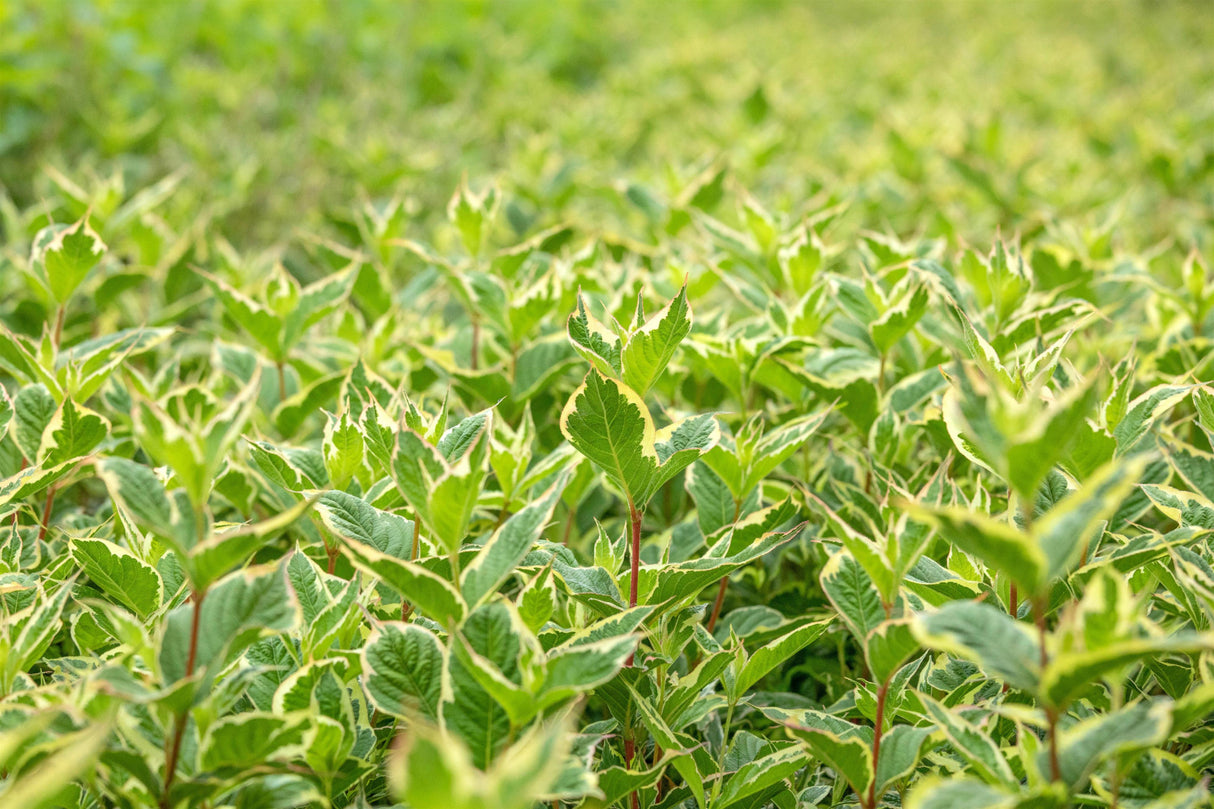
(948, 118)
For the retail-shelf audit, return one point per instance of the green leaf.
(842, 746)
(1144, 412)
(235, 612)
(573, 670)
(973, 743)
(248, 740)
(1034, 453)
(119, 574)
(223, 550)
(45, 786)
(434, 596)
(935, 792)
(982, 353)
(650, 348)
(262, 325)
(72, 432)
(508, 545)
(355, 520)
(1195, 467)
(468, 709)
(1083, 745)
(595, 342)
(610, 424)
(6, 411)
(760, 774)
(136, 489)
(683, 582)
(901, 748)
(888, 646)
(853, 594)
(774, 653)
(897, 321)
(403, 670)
(1071, 523)
(778, 446)
(33, 410)
(985, 635)
(1071, 673)
(999, 545)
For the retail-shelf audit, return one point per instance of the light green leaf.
(1071, 673)
(356, 520)
(888, 646)
(573, 670)
(897, 321)
(935, 792)
(469, 710)
(756, 776)
(343, 450)
(842, 746)
(66, 254)
(901, 748)
(1065, 529)
(1143, 412)
(1083, 745)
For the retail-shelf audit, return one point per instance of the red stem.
(59, 318)
(1051, 715)
(46, 513)
(629, 751)
(476, 339)
(878, 729)
(716, 607)
(173, 750)
(634, 522)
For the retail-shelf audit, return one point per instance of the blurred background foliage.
(937, 118)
